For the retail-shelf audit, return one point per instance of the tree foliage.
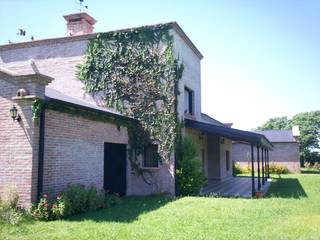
(277, 123)
(190, 177)
(309, 125)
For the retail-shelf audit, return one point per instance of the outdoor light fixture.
(14, 114)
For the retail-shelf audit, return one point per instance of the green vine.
(37, 107)
(136, 73)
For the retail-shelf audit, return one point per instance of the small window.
(150, 159)
(228, 160)
(188, 101)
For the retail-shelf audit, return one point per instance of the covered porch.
(233, 187)
(223, 184)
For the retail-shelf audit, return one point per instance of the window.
(228, 160)
(188, 101)
(150, 158)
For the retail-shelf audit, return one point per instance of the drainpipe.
(41, 150)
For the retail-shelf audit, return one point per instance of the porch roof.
(231, 133)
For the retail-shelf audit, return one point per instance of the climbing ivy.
(37, 106)
(135, 72)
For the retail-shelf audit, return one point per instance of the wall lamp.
(14, 114)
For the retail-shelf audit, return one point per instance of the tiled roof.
(56, 95)
(278, 135)
(211, 120)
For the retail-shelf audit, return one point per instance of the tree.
(190, 177)
(309, 125)
(277, 123)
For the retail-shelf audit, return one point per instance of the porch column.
(268, 163)
(258, 160)
(262, 164)
(252, 172)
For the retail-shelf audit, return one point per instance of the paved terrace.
(233, 187)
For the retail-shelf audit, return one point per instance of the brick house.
(285, 149)
(66, 149)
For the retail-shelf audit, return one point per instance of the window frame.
(190, 109)
(145, 154)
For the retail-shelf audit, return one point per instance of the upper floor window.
(150, 158)
(188, 101)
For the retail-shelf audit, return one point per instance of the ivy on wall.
(37, 106)
(136, 73)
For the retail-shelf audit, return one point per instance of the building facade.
(285, 150)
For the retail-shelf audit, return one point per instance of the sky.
(261, 58)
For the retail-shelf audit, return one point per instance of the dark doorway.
(115, 158)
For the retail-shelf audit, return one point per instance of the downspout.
(41, 150)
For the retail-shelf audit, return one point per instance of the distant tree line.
(309, 125)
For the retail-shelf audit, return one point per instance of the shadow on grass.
(128, 211)
(286, 188)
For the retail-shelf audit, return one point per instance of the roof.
(48, 41)
(19, 76)
(278, 135)
(211, 120)
(231, 133)
(56, 96)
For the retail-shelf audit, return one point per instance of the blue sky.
(261, 58)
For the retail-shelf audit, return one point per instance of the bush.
(42, 210)
(10, 215)
(9, 211)
(189, 171)
(278, 169)
(312, 165)
(9, 197)
(237, 169)
(73, 200)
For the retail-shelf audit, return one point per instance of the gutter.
(41, 151)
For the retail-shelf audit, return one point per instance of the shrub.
(42, 210)
(278, 169)
(9, 211)
(189, 171)
(237, 169)
(10, 215)
(73, 200)
(316, 166)
(95, 199)
(9, 197)
(113, 199)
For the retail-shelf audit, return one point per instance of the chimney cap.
(81, 15)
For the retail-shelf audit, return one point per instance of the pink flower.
(45, 195)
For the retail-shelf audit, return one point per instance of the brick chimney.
(79, 23)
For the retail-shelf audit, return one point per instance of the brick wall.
(19, 143)
(74, 153)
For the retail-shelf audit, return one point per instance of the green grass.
(291, 210)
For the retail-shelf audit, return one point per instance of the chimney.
(79, 23)
(295, 131)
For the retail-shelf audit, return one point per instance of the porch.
(233, 187)
(217, 166)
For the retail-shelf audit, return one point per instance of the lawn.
(291, 210)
